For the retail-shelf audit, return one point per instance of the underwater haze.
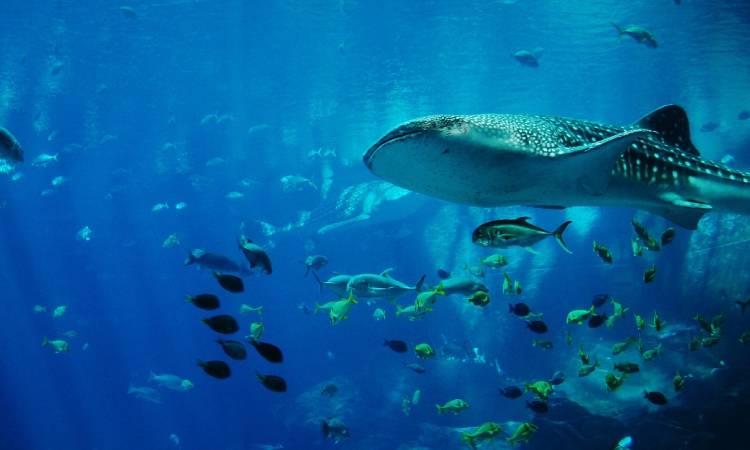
(174, 149)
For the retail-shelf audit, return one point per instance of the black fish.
(709, 127)
(272, 382)
(743, 305)
(329, 390)
(538, 406)
(537, 326)
(600, 299)
(222, 324)
(255, 254)
(511, 392)
(268, 351)
(443, 274)
(217, 369)
(204, 301)
(597, 320)
(557, 378)
(397, 346)
(231, 283)
(519, 309)
(657, 398)
(416, 367)
(743, 115)
(667, 236)
(233, 349)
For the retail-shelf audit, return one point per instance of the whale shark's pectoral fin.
(592, 164)
(671, 122)
(684, 212)
(332, 226)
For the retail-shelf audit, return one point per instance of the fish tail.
(399, 310)
(45, 341)
(320, 283)
(151, 375)
(558, 233)
(439, 409)
(200, 363)
(307, 269)
(317, 307)
(190, 259)
(440, 289)
(618, 28)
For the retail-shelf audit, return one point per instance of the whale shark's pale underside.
(499, 160)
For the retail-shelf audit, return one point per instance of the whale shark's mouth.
(410, 130)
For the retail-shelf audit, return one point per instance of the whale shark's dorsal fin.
(671, 122)
(387, 272)
(524, 219)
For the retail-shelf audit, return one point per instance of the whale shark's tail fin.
(558, 234)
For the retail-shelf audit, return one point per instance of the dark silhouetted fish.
(416, 367)
(657, 398)
(597, 320)
(268, 351)
(222, 324)
(397, 346)
(213, 261)
(329, 390)
(529, 58)
(538, 406)
(557, 378)
(255, 254)
(709, 127)
(511, 392)
(204, 301)
(443, 274)
(231, 283)
(272, 382)
(233, 349)
(743, 115)
(519, 309)
(537, 326)
(217, 369)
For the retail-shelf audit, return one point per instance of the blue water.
(126, 103)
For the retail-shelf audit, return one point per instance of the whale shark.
(555, 162)
(372, 202)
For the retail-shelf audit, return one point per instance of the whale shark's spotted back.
(665, 156)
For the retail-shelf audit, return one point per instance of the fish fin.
(387, 272)
(524, 219)
(190, 259)
(671, 122)
(593, 163)
(558, 234)
(684, 212)
(420, 284)
(320, 283)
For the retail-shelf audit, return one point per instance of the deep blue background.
(307, 75)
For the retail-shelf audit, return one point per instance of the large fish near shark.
(554, 162)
